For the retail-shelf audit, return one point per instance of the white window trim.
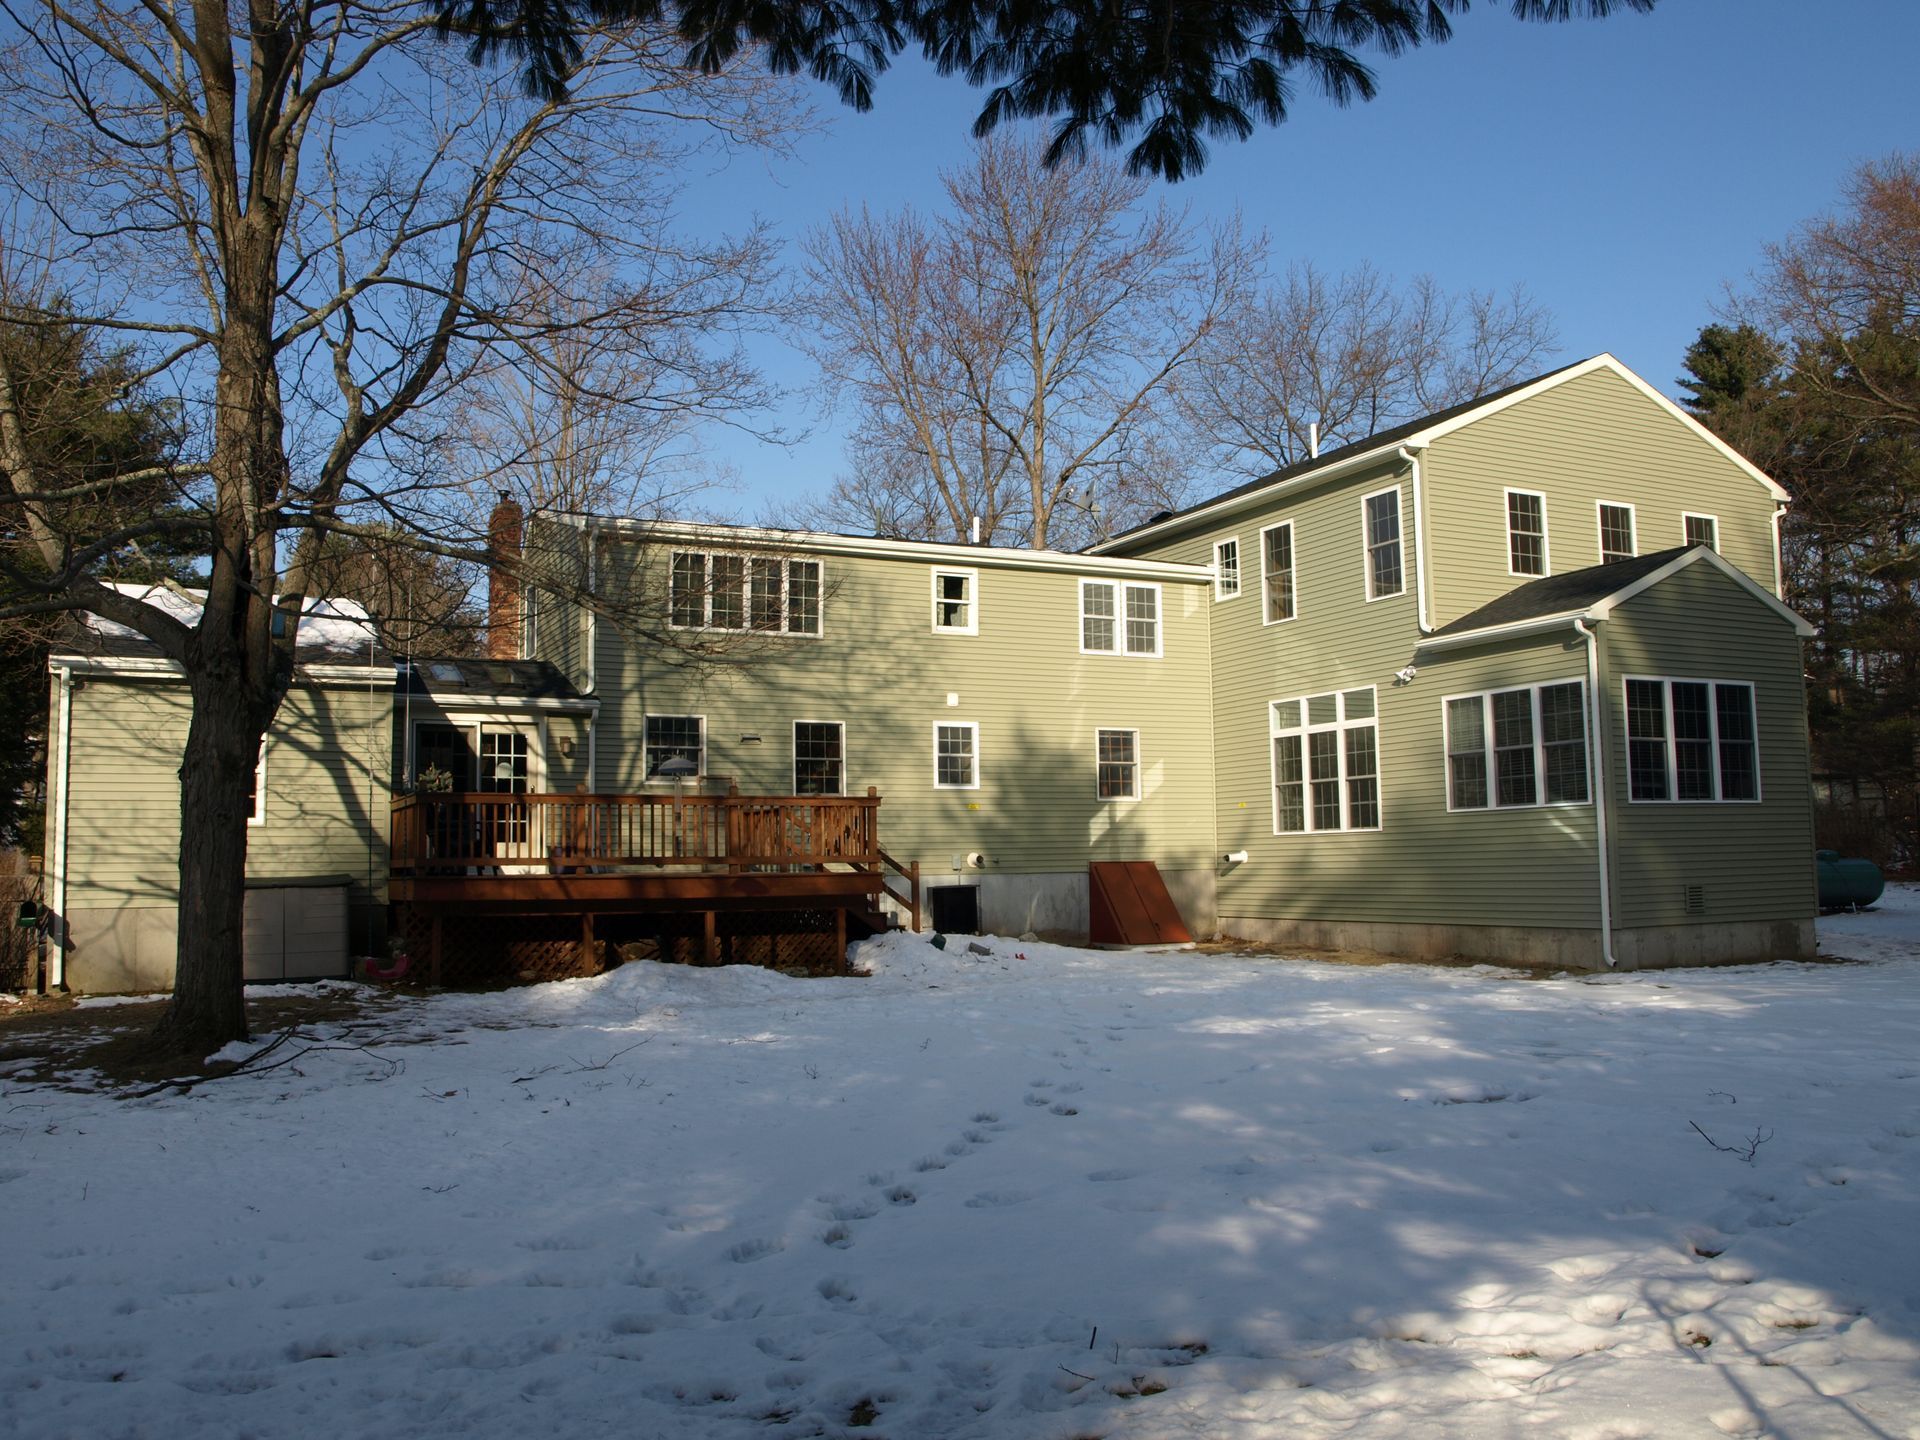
(972, 577)
(1120, 589)
(747, 557)
(1666, 684)
(534, 728)
(1138, 788)
(1293, 569)
(1507, 532)
(1220, 591)
(793, 751)
(1366, 549)
(1303, 729)
(1713, 520)
(646, 779)
(972, 726)
(1485, 697)
(1600, 526)
(259, 815)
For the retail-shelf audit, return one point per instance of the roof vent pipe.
(1313, 439)
(976, 529)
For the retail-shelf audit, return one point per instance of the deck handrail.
(452, 832)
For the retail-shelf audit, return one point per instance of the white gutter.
(1411, 454)
(149, 667)
(57, 830)
(507, 704)
(806, 541)
(1598, 749)
(1494, 633)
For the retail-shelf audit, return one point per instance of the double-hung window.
(1691, 741)
(1226, 568)
(956, 602)
(1119, 618)
(1118, 761)
(1326, 763)
(1276, 572)
(1701, 530)
(1508, 748)
(674, 737)
(1616, 533)
(956, 755)
(1385, 574)
(729, 591)
(1526, 533)
(819, 757)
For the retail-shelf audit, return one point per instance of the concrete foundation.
(1649, 948)
(1054, 903)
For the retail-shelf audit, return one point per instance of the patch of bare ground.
(51, 1040)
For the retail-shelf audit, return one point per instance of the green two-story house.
(1511, 681)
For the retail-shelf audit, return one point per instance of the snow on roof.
(328, 627)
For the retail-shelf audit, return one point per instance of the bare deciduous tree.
(321, 227)
(1012, 358)
(1352, 354)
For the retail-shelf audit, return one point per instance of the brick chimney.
(503, 586)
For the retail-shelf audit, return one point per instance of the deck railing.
(451, 834)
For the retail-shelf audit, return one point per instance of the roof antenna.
(1313, 439)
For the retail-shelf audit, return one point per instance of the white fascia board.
(152, 667)
(1605, 361)
(1701, 555)
(933, 552)
(1217, 511)
(1220, 509)
(509, 704)
(1491, 633)
(1603, 609)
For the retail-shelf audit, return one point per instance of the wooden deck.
(473, 854)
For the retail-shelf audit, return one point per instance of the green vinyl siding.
(1753, 861)
(323, 808)
(878, 669)
(1585, 440)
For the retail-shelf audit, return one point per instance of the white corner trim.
(59, 932)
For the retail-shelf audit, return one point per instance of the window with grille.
(1385, 574)
(1616, 533)
(726, 591)
(1326, 763)
(1119, 764)
(1526, 533)
(818, 757)
(1276, 571)
(1701, 530)
(1513, 748)
(1226, 568)
(954, 610)
(674, 737)
(1119, 618)
(956, 759)
(1691, 741)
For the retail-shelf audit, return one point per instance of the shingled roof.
(1564, 594)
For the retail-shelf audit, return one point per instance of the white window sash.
(1338, 726)
(1489, 753)
(973, 754)
(1672, 740)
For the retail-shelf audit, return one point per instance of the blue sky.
(1625, 170)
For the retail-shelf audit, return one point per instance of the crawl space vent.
(1694, 899)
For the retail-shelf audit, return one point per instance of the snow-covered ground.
(1047, 1193)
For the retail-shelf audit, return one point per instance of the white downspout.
(1411, 454)
(1599, 752)
(57, 832)
(1779, 571)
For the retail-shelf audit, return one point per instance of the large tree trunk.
(223, 747)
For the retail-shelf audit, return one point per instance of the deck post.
(914, 870)
(709, 937)
(840, 936)
(435, 934)
(588, 956)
